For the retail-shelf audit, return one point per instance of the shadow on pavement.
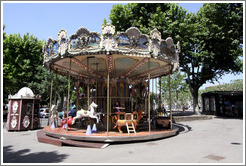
(23, 156)
(183, 128)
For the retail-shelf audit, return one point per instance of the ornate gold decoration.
(26, 121)
(15, 107)
(14, 122)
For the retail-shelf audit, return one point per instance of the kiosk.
(23, 110)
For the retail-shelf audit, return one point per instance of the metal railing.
(128, 103)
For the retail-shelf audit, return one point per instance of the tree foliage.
(216, 48)
(23, 66)
(43, 86)
(211, 40)
(235, 85)
(179, 88)
(147, 16)
(21, 57)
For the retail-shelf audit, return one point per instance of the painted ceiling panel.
(145, 68)
(122, 65)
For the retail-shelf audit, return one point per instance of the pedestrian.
(183, 107)
(163, 110)
(117, 106)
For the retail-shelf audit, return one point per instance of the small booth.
(23, 111)
(223, 103)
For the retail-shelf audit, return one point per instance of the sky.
(44, 20)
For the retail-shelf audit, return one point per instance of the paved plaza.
(218, 140)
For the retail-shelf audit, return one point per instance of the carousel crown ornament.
(131, 48)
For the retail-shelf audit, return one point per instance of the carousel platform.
(43, 138)
(78, 137)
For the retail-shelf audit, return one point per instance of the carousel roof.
(129, 55)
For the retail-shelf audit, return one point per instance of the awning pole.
(77, 95)
(170, 102)
(96, 86)
(108, 96)
(149, 102)
(149, 95)
(68, 93)
(153, 94)
(108, 102)
(160, 92)
(157, 100)
(51, 86)
(55, 102)
(131, 104)
(88, 84)
(55, 88)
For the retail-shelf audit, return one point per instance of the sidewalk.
(188, 115)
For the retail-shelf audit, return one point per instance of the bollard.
(94, 128)
(53, 125)
(88, 131)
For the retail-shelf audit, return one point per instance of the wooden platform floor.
(82, 132)
(112, 136)
(42, 137)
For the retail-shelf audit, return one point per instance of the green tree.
(147, 16)
(4, 33)
(21, 57)
(23, 66)
(216, 49)
(43, 86)
(104, 21)
(153, 99)
(211, 40)
(185, 98)
(235, 85)
(177, 85)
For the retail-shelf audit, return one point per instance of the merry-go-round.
(114, 73)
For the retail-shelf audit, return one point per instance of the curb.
(191, 118)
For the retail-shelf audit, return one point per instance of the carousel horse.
(122, 122)
(87, 113)
(54, 115)
(64, 122)
(101, 116)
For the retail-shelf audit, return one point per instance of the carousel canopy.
(127, 55)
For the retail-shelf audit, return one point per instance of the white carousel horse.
(54, 115)
(54, 112)
(87, 113)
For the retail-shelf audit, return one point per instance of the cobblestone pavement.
(201, 141)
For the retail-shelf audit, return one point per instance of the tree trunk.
(195, 101)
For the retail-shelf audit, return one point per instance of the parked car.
(44, 112)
